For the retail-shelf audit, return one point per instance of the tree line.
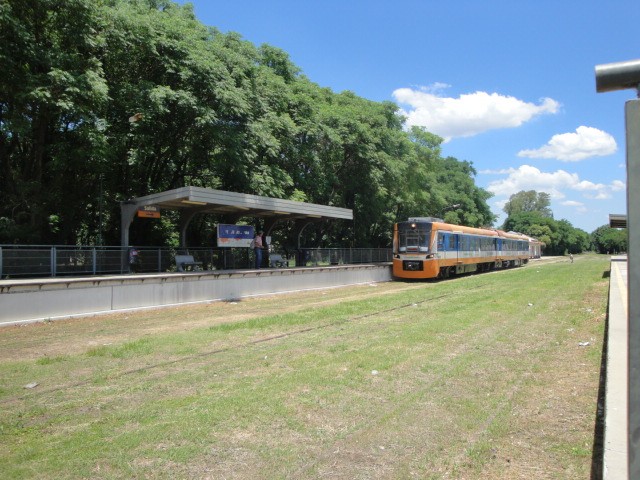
(529, 212)
(105, 100)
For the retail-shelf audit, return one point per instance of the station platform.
(43, 299)
(615, 450)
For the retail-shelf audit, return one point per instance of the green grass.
(412, 380)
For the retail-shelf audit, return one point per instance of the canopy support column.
(128, 211)
(185, 219)
(127, 214)
(186, 215)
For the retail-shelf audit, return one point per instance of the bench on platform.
(278, 261)
(186, 263)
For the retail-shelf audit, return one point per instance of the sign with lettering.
(235, 235)
(149, 211)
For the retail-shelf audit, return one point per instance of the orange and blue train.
(426, 247)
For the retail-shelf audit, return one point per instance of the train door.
(457, 245)
(441, 245)
(447, 246)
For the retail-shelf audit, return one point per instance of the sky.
(509, 85)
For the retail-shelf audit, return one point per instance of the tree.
(559, 236)
(570, 239)
(441, 187)
(529, 201)
(52, 91)
(529, 213)
(464, 203)
(609, 240)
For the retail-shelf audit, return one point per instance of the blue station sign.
(235, 235)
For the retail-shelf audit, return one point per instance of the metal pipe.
(618, 76)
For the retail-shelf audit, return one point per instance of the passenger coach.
(426, 247)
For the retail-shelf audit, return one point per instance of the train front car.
(413, 244)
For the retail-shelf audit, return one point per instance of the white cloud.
(555, 184)
(572, 203)
(572, 147)
(617, 185)
(469, 114)
(502, 171)
(578, 206)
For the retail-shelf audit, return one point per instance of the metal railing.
(30, 261)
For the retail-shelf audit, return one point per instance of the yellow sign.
(149, 211)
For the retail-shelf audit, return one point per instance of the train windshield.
(413, 237)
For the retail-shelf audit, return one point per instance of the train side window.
(441, 243)
(452, 242)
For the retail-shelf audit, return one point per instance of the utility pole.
(620, 76)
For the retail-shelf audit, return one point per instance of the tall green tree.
(52, 93)
(609, 240)
(529, 201)
(441, 187)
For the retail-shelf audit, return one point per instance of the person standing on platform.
(256, 244)
(134, 260)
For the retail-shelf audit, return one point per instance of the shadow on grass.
(597, 455)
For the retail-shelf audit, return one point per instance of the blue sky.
(509, 84)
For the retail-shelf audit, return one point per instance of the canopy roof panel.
(206, 200)
(197, 200)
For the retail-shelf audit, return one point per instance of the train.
(427, 247)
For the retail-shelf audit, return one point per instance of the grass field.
(479, 377)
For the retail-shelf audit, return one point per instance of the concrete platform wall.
(33, 300)
(616, 416)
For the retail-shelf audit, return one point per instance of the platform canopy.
(195, 200)
(617, 220)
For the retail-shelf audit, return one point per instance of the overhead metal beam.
(618, 76)
(617, 221)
